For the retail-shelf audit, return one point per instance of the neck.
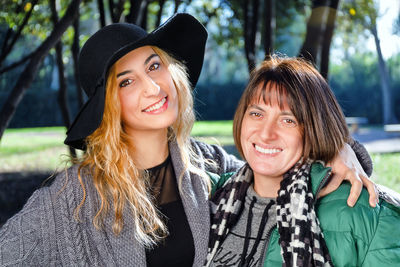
(267, 186)
(149, 148)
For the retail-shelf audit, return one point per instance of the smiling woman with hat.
(139, 195)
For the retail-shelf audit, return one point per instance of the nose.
(150, 87)
(269, 131)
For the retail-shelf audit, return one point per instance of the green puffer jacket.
(357, 236)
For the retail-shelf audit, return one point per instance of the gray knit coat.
(45, 233)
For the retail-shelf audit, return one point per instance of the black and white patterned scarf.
(301, 239)
(226, 207)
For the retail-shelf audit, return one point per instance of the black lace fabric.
(163, 183)
(177, 249)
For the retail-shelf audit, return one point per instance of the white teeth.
(267, 151)
(156, 106)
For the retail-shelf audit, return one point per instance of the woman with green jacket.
(287, 124)
(138, 196)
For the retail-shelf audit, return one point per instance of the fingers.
(356, 188)
(373, 193)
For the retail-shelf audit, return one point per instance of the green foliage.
(387, 170)
(351, 26)
(364, 12)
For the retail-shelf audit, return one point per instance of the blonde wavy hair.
(117, 178)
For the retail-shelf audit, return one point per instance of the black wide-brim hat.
(182, 36)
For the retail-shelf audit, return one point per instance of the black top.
(177, 249)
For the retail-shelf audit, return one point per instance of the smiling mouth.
(156, 106)
(267, 151)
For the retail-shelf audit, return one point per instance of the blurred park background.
(355, 44)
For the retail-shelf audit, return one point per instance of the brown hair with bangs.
(310, 99)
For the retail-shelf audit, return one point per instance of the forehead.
(269, 94)
(135, 57)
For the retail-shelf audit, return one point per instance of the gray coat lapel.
(194, 197)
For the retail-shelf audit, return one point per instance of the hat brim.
(182, 36)
(85, 123)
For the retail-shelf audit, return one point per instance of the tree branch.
(17, 63)
(16, 36)
(25, 79)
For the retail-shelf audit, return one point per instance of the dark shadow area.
(16, 188)
(231, 149)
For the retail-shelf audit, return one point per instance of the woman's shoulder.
(362, 220)
(375, 231)
(226, 162)
(205, 148)
(67, 180)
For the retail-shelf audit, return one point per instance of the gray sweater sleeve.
(362, 156)
(224, 162)
(24, 239)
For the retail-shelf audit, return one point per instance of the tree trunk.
(143, 15)
(269, 27)
(138, 15)
(327, 37)
(100, 6)
(62, 91)
(75, 55)
(388, 112)
(250, 31)
(312, 41)
(29, 73)
(177, 4)
(159, 13)
(116, 10)
(134, 11)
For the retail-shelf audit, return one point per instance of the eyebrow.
(145, 63)
(284, 112)
(256, 107)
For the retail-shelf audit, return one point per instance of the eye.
(154, 66)
(255, 114)
(288, 122)
(125, 83)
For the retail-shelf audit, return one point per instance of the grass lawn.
(32, 149)
(42, 149)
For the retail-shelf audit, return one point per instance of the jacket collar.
(194, 195)
(319, 176)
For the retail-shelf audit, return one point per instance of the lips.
(156, 106)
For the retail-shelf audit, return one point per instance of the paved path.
(378, 141)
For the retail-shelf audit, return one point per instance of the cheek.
(173, 91)
(244, 138)
(297, 143)
(128, 101)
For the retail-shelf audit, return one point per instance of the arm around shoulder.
(362, 156)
